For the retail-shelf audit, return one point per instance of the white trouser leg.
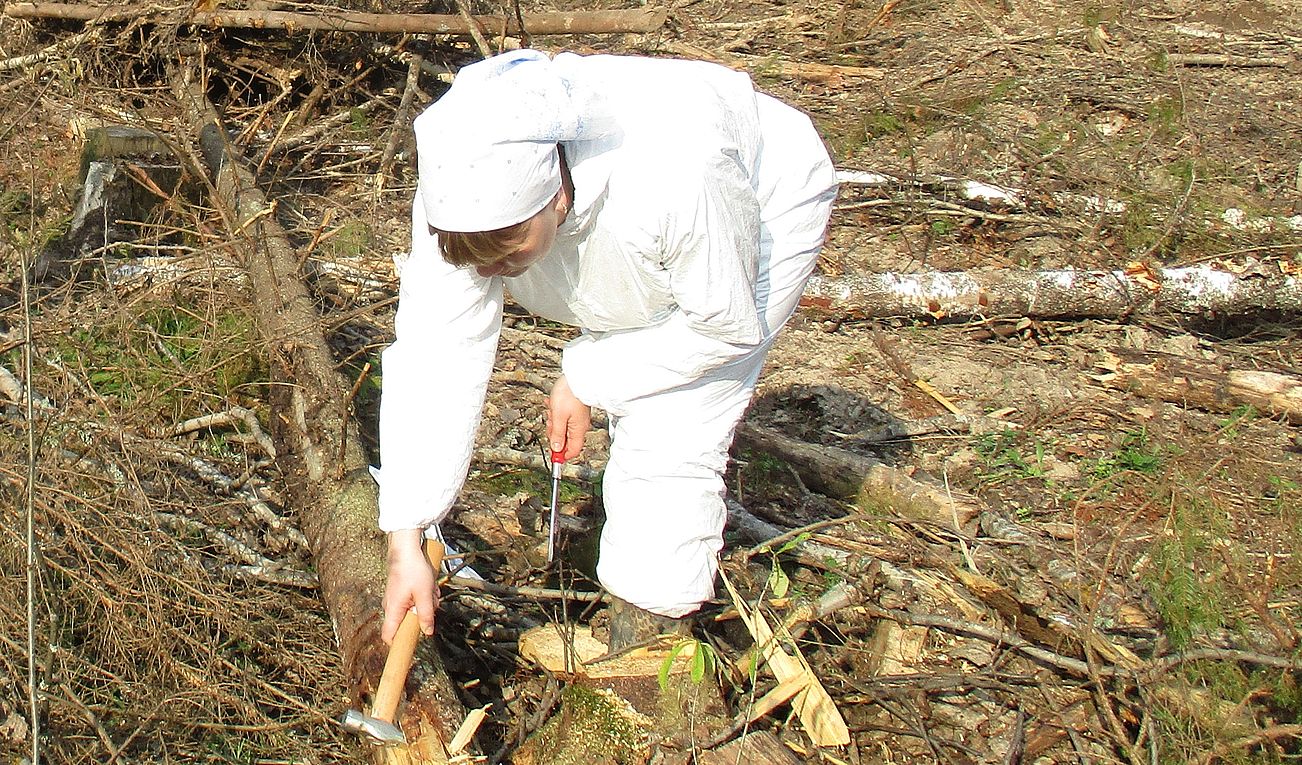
(663, 487)
(663, 493)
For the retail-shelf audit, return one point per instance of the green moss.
(169, 360)
(349, 241)
(535, 482)
(592, 724)
(1164, 115)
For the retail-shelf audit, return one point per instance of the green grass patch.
(881, 123)
(1009, 456)
(974, 104)
(1183, 579)
(1135, 454)
(349, 241)
(1220, 689)
(170, 360)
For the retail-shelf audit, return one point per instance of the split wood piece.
(618, 705)
(569, 23)
(895, 649)
(845, 475)
(1202, 384)
(1067, 293)
(812, 704)
(321, 455)
(577, 652)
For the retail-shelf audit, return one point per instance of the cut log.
(1059, 294)
(759, 748)
(846, 475)
(535, 24)
(319, 451)
(1200, 384)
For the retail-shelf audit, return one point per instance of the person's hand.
(412, 583)
(568, 420)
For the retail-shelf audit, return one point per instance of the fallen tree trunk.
(1201, 384)
(845, 475)
(1060, 294)
(320, 453)
(568, 23)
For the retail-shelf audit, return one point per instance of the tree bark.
(570, 23)
(320, 453)
(1201, 384)
(1060, 294)
(845, 475)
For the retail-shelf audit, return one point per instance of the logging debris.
(1106, 523)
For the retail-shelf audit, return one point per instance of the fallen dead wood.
(845, 475)
(775, 67)
(938, 193)
(982, 192)
(567, 23)
(1067, 293)
(1202, 384)
(1218, 59)
(320, 452)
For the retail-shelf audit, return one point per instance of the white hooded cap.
(487, 149)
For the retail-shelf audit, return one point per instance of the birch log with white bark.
(1206, 290)
(1201, 384)
(320, 453)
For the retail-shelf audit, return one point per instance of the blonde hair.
(480, 248)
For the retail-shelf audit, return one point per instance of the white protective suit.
(695, 224)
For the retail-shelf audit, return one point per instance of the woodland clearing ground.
(1160, 526)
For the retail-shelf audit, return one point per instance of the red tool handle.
(558, 458)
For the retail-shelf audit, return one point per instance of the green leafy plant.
(1135, 454)
(1239, 416)
(703, 662)
(1006, 458)
(778, 581)
(942, 227)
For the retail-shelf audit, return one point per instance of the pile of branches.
(173, 602)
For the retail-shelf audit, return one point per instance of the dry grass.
(1158, 528)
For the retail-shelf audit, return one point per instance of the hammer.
(379, 724)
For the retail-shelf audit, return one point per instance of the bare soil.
(173, 614)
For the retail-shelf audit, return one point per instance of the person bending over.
(662, 206)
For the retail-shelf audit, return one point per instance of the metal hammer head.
(380, 731)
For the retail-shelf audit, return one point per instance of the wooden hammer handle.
(389, 692)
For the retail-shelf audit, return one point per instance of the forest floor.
(1147, 549)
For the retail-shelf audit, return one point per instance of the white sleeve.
(435, 376)
(711, 246)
